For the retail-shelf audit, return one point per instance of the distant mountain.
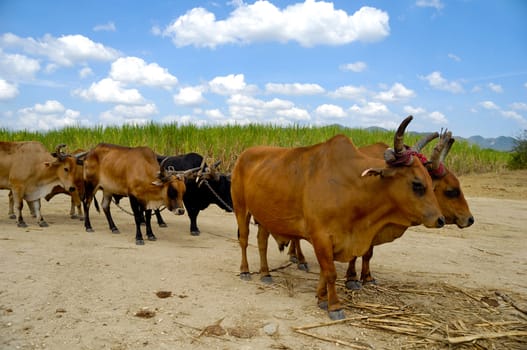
(501, 143)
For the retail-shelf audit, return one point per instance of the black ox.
(206, 188)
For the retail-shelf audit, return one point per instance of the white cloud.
(294, 89)
(415, 111)
(8, 91)
(371, 109)
(125, 114)
(437, 118)
(109, 90)
(437, 4)
(230, 84)
(436, 81)
(66, 50)
(48, 116)
(246, 108)
(496, 88)
(454, 57)
(85, 72)
(489, 105)
(396, 93)
(107, 27)
(214, 114)
(356, 67)
(519, 106)
(135, 70)
(350, 92)
(18, 67)
(309, 23)
(513, 115)
(330, 111)
(189, 96)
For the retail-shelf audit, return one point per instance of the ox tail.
(96, 203)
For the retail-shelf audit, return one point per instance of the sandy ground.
(64, 288)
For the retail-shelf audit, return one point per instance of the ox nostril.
(72, 189)
(441, 221)
(180, 211)
(470, 220)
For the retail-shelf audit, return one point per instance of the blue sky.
(460, 65)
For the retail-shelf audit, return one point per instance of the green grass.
(227, 142)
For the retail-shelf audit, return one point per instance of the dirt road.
(64, 288)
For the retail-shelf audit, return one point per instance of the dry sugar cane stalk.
(335, 341)
(494, 335)
(349, 319)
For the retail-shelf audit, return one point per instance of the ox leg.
(18, 204)
(86, 202)
(263, 239)
(75, 205)
(35, 205)
(243, 238)
(327, 291)
(365, 275)
(302, 263)
(159, 218)
(106, 200)
(148, 222)
(138, 216)
(292, 252)
(352, 281)
(11, 213)
(193, 216)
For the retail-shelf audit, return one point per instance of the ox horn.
(398, 140)
(425, 141)
(451, 141)
(59, 153)
(436, 157)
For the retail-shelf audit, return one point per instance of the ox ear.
(382, 172)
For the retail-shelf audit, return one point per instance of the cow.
(30, 171)
(76, 196)
(447, 190)
(333, 196)
(135, 173)
(206, 188)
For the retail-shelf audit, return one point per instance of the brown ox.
(76, 197)
(447, 190)
(322, 194)
(134, 173)
(30, 172)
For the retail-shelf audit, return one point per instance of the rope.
(216, 195)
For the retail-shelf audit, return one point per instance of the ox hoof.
(43, 224)
(303, 267)
(293, 259)
(21, 224)
(89, 229)
(353, 285)
(195, 233)
(115, 231)
(373, 281)
(12, 216)
(323, 304)
(337, 315)
(267, 279)
(152, 238)
(139, 242)
(74, 216)
(163, 225)
(245, 276)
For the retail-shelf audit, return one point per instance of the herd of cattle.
(342, 199)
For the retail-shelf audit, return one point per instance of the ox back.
(332, 195)
(30, 171)
(135, 173)
(199, 195)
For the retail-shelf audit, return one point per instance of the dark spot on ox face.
(452, 193)
(175, 196)
(418, 187)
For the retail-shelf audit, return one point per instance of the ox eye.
(66, 169)
(418, 188)
(452, 193)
